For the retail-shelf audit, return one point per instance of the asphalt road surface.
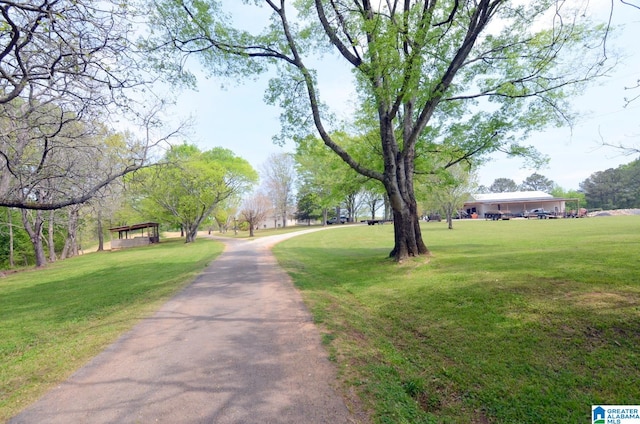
(236, 346)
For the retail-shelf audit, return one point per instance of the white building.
(518, 203)
(275, 222)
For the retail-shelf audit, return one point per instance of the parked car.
(539, 213)
(334, 220)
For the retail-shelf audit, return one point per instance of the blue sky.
(234, 116)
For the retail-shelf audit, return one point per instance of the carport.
(135, 235)
(516, 203)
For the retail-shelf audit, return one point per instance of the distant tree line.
(534, 182)
(617, 188)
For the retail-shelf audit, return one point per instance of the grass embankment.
(508, 321)
(53, 320)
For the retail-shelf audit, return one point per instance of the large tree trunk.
(191, 232)
(191, 228)
(100, 231)
(35, 235)
(71, 245)
(398, 182)
(408, 236)
(51, 243)
(10, 221)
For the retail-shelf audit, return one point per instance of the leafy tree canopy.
(537, 182)
(438, 82)
(617, 188)
(503, 185)
(192, 184)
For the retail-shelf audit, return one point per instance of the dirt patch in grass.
(602, 300)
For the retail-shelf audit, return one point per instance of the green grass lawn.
(522, 321)
(266, 232)
(507, 322)
(54, 320)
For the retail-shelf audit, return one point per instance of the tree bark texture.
(10, 221)
(35, 235)
(408, 240)
(51, 244)
(100, 231)
(71, 244)
(191, 232)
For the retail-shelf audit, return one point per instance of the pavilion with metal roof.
(517, 203)
(135, 235)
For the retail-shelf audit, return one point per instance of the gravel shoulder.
(236, 346)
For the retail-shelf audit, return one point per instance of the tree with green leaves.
(482, 189)
(603, 189)
(614, 188)
(321, 173)
(373, 198)
(225, 215)
(15, 245)
(439, 82)
(308, 205)
(191, 184)
(537, 182)
(451, 190)
(51, 159)
(503, 185)
(580, 200)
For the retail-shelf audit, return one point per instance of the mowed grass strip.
(266, 232)
(54, 320)
(507, 322)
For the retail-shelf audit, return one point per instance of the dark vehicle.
(497, 215)
(334, 220)
(539, 213)
(376, 221)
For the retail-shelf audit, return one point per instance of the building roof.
(135, 226)
(513, 196)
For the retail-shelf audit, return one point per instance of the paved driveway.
(236, 346)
